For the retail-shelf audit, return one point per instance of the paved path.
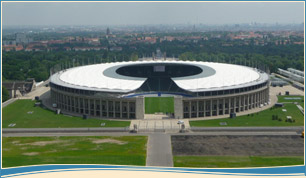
(40, 90)
(59, 134)
(167, 125)
(123, 130)
(9, 102)
(159, 150)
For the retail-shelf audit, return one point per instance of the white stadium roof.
(92, 77)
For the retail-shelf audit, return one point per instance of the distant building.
(21, 38)
(295, 75)
(107, 31)
(116, 48)
(297, 72)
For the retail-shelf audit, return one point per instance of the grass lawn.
(292, 99)
(126, 150)
(236, 161)
(263, 118)
(159, 104)
(17, 113)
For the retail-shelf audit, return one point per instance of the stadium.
(118, 90)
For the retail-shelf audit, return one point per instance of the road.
(159, 150)
(7, 132)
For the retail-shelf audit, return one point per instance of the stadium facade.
(200, 89)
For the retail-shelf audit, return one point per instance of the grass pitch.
(159, 104)
(24, 114)
(126, 150)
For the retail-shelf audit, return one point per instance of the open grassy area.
(263, 118)
(291, 98)
(236, 161)
(17, 113)
(126, 150)
(159, 104)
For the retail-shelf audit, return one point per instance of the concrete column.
(211, 108)
(120, 109)
(89, 107)
(94, 107)
(264, 96)
(235, 104)
(217, 112)
(254, 99)
(251, 100)
(267, 95)
(139, 106)
(257, 99)
(67, 106)
(79, 105)
(100, 108)
(70, 107)
(178, 107)
(248, 101)
(239, 102)
(114, 111)
(204, 109)
(189, 106)
(197, 108)
(223, 106)
(107, 115)
(83, 100)
(128, 109)
(65, 102)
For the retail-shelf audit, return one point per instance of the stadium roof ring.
(188, 79)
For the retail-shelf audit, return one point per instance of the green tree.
(5, 94)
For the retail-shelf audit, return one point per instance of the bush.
(279, 119)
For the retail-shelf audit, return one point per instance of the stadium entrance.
(160, 105)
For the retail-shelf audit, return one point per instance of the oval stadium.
(199, 89)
